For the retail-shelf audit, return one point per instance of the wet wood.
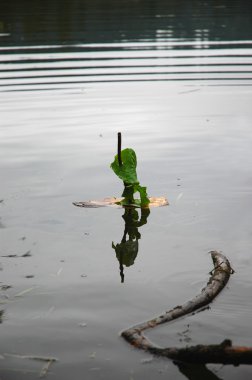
(220, 353)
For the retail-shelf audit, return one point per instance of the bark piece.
(113, 202)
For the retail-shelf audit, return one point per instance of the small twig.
(119, 148)
(24, 292)
(33, 357)
(48, 361)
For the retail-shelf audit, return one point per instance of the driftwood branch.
(221, 353)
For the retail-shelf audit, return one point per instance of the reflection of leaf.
(115, 202)
(126, 252)
(127, 171)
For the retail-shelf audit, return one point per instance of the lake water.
(175, 77)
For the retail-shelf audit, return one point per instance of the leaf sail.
(127, 173)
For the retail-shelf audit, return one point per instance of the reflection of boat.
(127, 250)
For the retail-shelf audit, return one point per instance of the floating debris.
(52, 308)
(82, 324)
(59, 271)
(47, 359)
(179, 197)
(26, 254)
(185, 335)
(5, 287)
(20, 294)
(147, 360)
(92, 355)
(9, 256)
(32, 357)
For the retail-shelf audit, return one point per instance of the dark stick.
(121, 269)
(119, 148)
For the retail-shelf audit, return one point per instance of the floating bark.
(221, 353)
(115, 202)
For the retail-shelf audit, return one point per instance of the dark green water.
(77, 22)
(62, 44)
(175, 78)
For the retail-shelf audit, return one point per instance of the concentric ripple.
(72, 66)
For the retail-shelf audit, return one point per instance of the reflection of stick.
(124, 238)
(45, 369)
(222, 353)
(119, 148)
(194, 371)
(121, 268)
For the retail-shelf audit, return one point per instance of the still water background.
(175, 78)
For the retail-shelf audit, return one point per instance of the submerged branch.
(221, 353)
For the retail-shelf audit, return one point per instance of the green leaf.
(128, 193)
(127, 171)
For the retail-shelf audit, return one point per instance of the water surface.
(175, 79)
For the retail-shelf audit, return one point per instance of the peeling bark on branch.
(222, 353)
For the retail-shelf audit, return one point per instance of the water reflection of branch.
(127, 250)
(196, 371)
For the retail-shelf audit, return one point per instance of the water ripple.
(54, 67)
